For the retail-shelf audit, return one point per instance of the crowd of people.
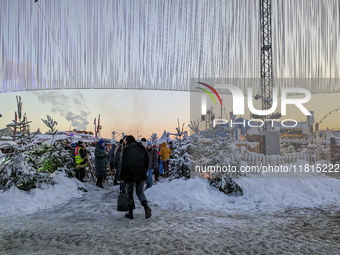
(133, 163)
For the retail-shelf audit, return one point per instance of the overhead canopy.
(161, 45)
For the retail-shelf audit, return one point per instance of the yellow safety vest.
(79, 160)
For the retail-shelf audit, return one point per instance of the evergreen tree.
(26, 165)
(21, 129)
(179, 166)
(218, 152)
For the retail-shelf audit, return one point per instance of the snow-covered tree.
(50, 123)
(210, 154)
(179, 166)
(27, 166)
(18, 168)
(20, 126)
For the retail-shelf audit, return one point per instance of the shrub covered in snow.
(27, 166)
(17, 169)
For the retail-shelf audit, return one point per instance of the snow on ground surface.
(260, 194)
(275, 216)
(264, 192)
(92, 225)
(18, 202)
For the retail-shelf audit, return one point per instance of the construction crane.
(266, 59)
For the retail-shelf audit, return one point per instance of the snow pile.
(18, 202)
(192, 194)
(260, 193)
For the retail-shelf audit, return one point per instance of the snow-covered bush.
(27, 166)
(218, 151)
(17, 169)
(227, 186)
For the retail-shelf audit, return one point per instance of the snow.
(6, 143)
(250, 144)
(18, 202)
(261, 193)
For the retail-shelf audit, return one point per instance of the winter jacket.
(165, 152)
(117, 160)
(80, 157)
(112, 153)
(152, 158)
(135, 162)
(100, 160)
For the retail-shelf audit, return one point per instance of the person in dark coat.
(117, 161)
(156, 172)
(112, 163)
(100, 162)
(152, 163)
(135, 163)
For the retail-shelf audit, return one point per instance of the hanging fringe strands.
(161, 45)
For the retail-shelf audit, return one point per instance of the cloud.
(69, 108)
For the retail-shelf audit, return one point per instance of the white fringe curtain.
(161, 44)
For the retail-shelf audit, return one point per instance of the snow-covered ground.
(92, 225)
(18, 202)
(290, 216)
(260, 194)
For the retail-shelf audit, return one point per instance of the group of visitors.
(134, 164)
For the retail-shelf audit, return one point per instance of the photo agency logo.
(239, 102)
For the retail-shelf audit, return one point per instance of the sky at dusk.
(136, 112)
(129, 111)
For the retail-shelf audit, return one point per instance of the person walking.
(152, 163)
(117, 161)
(81, 160)
(164, 154)
(112, 163)
(100, 162)
(157, 168)
(135, 163)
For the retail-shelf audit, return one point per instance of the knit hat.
(101, 141)
(143, 140)
(149, 143)
(155, 146)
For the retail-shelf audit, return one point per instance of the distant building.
(6, 131)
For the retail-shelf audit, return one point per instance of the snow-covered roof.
(253, 131)
(220, 130)
(333, 134)
(6, 131)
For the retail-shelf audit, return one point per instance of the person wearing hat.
(143, 141)
(152, 163)
(135, 163)
(100, 162)
(81, 160)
